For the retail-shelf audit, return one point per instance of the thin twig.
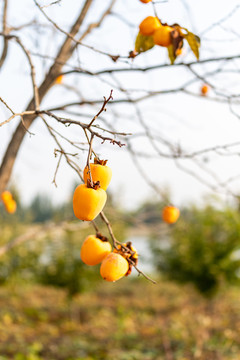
(33, 74)
(103, 108)
(5, 31)
(7, 106)
(55, 174)
(78, 42)
(88, 160)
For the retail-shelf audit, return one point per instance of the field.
(128, 320)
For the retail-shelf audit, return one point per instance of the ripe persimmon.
(114, 267)
(6, 196)
(8, 201)
(59, 79)
(88, 202)
(94, 249)
(170, 214)
(100, 172)
(162, 36)
(204, 89)
(145, 1)
(149, 25)
(11, 206)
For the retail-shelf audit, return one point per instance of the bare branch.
(88, 159)
(5, 31)
(63, 55)
(158, 66)
(33, 75)
(7, 106)
(39, 231)
(78, 42)
(103, 108)
(58, 164)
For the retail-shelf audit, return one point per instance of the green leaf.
(194, 43)
(171, 54)
(143, 43)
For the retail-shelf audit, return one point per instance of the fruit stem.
(95, 226)
(88, 160)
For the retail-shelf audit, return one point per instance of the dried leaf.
(143, 43)
(176, 43)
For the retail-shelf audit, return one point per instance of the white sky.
(195, 123)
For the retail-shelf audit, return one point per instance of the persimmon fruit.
(170, 214)
(149, 25)
(145, 1)
(94, 249)
(6, 196)
(59, 79)
(204, 89)
(99, 172)
(8, 201)
(11, 206)
(162, 36)
(88, 202)
(113, 267)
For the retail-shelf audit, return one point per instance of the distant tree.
(203, 248)
(41, 209)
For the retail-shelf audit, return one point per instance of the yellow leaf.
(194, 43)
(143, 43)
(171, 54)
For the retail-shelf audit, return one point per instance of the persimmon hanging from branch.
(153, 32)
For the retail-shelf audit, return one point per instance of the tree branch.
(64, 54)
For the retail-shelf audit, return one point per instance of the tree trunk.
(62, 57)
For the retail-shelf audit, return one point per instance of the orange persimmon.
(59, 79)
(204, 89)
(8, 201)
(11, 206)
(162, 36)
(100, 172)
(145, 1)
(6, 196)
(94, 249)
(114, 267)
(149, 25)
(170, 214)
(88, 202)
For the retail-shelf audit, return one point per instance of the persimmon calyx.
(95, 185)
(100, 162)
(101, 237)
(129, 253)
(132, 54)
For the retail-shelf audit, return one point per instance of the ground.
(126, 320)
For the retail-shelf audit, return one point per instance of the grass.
(127, 320)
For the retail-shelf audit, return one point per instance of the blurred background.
(53, 306)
